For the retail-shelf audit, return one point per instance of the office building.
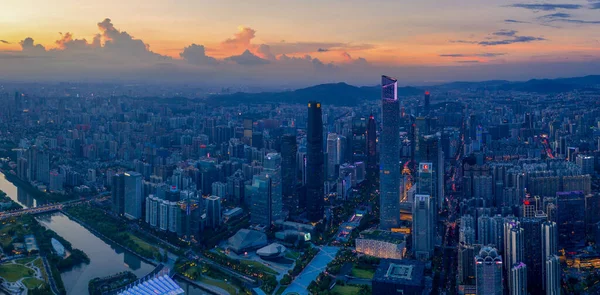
(570, 219)
(213, 212)
(359, 139)
(488, 272)
(372, 143)
(289, 149)
(422, 228)
(133, 195)
(389, 155)
(314, 163)
(262, 200)
(332, 155)
(272, 170)
(532, 252)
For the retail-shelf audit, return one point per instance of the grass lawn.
(14, 272)
(292, 254)
(25, 260)
(345, 290)
(362, 273)
(32, 283)
(259, 266)
(142, 244)
(40, 264)
(221, 284)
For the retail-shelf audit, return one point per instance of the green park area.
(345, 290)
(363, 273)
(13, 272)
(221, 284)
(259, 266)
(32, 283)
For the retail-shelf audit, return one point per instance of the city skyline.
(206, 42)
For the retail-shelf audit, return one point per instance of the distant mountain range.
(347, 95)
(328, 94)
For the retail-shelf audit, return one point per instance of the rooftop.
(407, 272)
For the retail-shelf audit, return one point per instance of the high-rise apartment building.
(488, 272)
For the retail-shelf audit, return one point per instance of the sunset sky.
(362, 36)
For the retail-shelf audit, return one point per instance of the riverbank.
(40, 196)
(14, 234)
(117, 232)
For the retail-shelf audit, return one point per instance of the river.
(105, 259)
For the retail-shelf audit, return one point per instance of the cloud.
(594, 4)
(322, 50)
(240, 40)
(505, 33)
(4, 41)
(66, 42)
(555, 15)
(28, 46)
(346, 56)
(264, 51)
(516, 39)
(121, 42)
(247, 58)
(514, 21)
(463, 41)
(577, 21)
(545, 6)
(467, 61)
(196, 54)
(485, 54)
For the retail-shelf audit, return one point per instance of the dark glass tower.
(372, 143)
(427, 101)
(289, 149)
(390, 155)
(314, 162)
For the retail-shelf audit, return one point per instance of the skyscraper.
(423, 228)
(289, 149)
(332, 155)
(359, 139)
(427, 100)
(513, 251)
(262, 202)
(570, 219)
(532, 252)
(552, 277)
(314, 162)
(389, 156)
(488, 272)
(118, 194)
(518, 279)
(371, 143)
(213, 211)
(133, 195)
(272, 170)
(549, 248)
